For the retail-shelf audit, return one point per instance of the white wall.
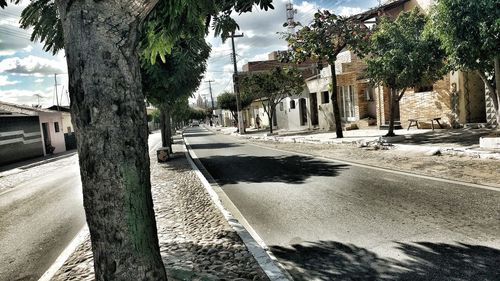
(56, 138)
(325, 111)
(66, 122)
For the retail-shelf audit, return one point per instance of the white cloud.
(26, 97)
(32, 65)
(39, 80)
(28, 49)
(4, 81)
(348, 11)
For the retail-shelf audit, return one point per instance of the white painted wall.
(325, 111)
(66, 122)
(56, 138)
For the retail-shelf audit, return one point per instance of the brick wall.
(427, 105)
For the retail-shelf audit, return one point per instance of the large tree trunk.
(392, 113)
(335, 104)
(163, 126)
(168, 128)
(270, 117)
(109, 114)
(496, 95)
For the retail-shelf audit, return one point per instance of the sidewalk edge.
(65, 254)
(265, 258)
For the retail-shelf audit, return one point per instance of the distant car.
(195, 123)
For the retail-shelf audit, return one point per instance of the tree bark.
(335, 103)
(109, 114)
(394, 102)
(163, 126)
(496, 95)
(168, 128)
(270, 117)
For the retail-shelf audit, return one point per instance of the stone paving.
(196, 242)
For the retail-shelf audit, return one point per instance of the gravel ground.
(196, 242)
(454, 167)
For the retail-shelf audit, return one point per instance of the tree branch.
(486, 81)
(401, 94)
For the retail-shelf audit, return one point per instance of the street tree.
(321, 41)
(176, 76)
(402, 56)
(272, 87)
(470, 34)
(227, 101)
(101, 44)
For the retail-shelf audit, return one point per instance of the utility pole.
(211, 97)
(55, 86)
(241, 128)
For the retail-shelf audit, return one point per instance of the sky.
(28, 74)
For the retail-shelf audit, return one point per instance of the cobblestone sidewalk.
(196, 242)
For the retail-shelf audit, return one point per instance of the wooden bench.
(437, 120)
(411, 124)
(414, 122)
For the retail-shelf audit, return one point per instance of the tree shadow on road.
(293, 169)
(213, 145)
(329, 260)
(193, 135)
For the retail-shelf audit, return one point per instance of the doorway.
(46, 137)
(314, 109)
(303, 111)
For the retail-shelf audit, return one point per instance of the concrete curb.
(66, 253)
(264, 257)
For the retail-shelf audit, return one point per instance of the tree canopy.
(321, 41)
(401, 56)
(271, 87)
(469, 32)
(227, 100)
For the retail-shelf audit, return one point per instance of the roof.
(374, 12)
(22, 109)
(63, 108)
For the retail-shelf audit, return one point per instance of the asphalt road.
(40, 217)
(326, 220)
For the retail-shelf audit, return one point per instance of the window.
(56, 127)
(346, 102)
(292, 104)
(424, 88)
(325, 97)
(281, 106)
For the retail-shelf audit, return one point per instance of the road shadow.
(195, 135)
(213, 145)
(329, 260)
(461, 137)
(292, 169)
